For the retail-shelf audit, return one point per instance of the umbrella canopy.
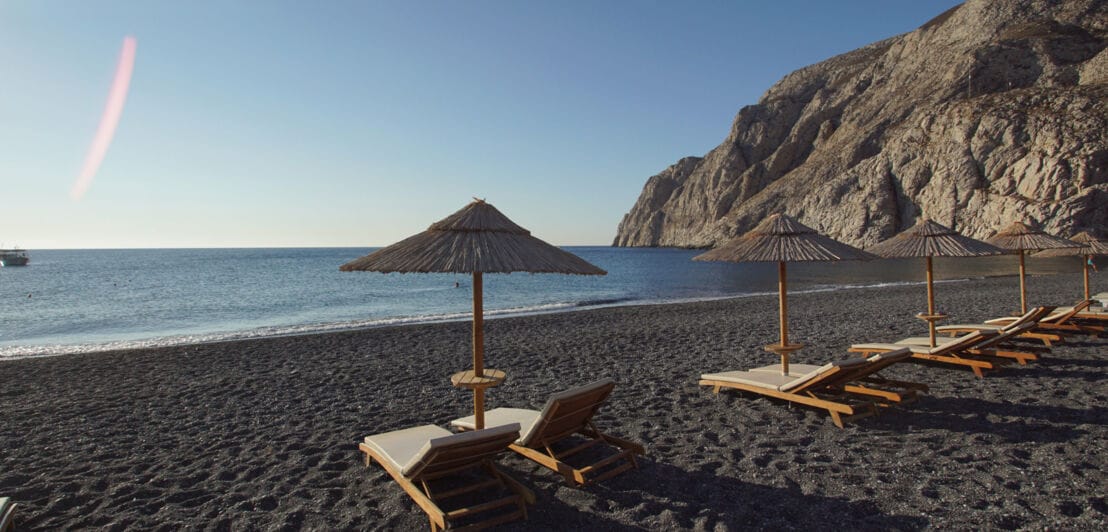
(477, 239)
(1090, 246)
(929, 239)
(782, 239)
(1020, 237)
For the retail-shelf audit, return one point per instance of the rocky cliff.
(992, 112)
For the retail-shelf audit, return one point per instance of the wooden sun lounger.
(1061, 322)
(1096, 316)
(951, 353)
(866, 381)
(7, 515)
(566, 415)
(419, 456)
(1092, 315)
(988, 347)
(822, 387)
(1032, 316)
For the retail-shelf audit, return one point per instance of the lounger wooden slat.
(1098, 316)
(463, 490)
(483, 507)
(821, 388)
(1060, 323)
(1033, 316)
(565, 415)
(1068, 322)
(865, 380)
(587, 444)
(949, 354)
(417, 456)
(988, 346)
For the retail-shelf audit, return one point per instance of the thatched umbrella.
(1020, 237)
(928, 239)
(477, 239)
(782, 239)
(1090, 246)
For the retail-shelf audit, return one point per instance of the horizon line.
(253, 247)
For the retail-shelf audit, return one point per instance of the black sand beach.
(263, 434)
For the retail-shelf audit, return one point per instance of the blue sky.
(360, 123)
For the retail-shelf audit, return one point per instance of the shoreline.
(159, 342)
(262, 433)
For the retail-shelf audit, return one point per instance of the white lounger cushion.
(922, 349)
(776, 381)
(1058, 313)
(761, 379)
(898, 354)
(794, 369)
(405, 449)
(1004, 333)
(978, 326)
(502, 416)
(528, 419)
(926, 340)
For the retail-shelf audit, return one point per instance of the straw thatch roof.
(1090, 245)
(477, 238)
(783, 239)
(1020, 236)
(929, 239)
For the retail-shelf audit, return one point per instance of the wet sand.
(263, 434)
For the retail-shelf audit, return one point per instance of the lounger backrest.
(881, 361)
(460, 450)
(1031, 316)
(872, 365)
(1062, 318)
(567, 412)
(827, 375)
(1004, 334)
(966, 341)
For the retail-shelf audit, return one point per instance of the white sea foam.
(30, 351)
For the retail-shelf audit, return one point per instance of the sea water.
(74, 301)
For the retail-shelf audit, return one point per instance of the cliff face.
(992, 112)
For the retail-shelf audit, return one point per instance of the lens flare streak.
(113, 109)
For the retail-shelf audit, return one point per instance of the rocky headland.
(993, 111)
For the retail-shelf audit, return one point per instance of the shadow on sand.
(666, 497)
(1014, 422)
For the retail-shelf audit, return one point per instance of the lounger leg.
(836, 418)
(368, 459)
(977, 371)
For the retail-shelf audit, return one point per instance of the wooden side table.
(469, 379)
(784, 351)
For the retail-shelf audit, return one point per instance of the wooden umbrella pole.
(1085, 267)
(782, 290)
(478, 351)
(930, 303)
(1023, 287)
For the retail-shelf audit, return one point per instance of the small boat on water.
(14, 257)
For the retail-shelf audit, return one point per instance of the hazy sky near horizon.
(274, 123)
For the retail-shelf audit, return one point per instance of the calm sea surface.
(72, 301)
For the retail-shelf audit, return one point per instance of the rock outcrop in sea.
(994, 111)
